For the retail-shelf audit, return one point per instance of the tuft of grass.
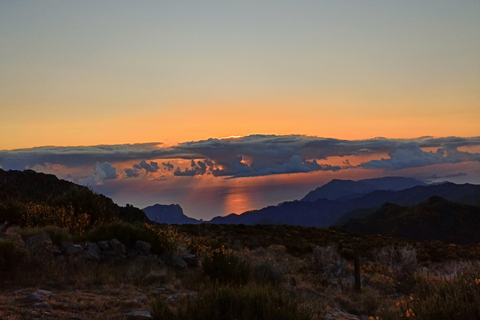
(224, 266)
(226, 302)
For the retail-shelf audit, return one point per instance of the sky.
(226, 106)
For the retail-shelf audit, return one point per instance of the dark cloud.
(198, 168)
(131, 172)
(168, 166)
(149, 167)
(253, 155)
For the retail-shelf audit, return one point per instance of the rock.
(39, 242)
(132, 253)
(143, 247)
(134, 315)
(92, 252)
(329, 316)
(43, 305)
(191, 260)
(178, 262)
(39, 295)
(12, 237)
(103, 245)
(118, 247)
(68, 248)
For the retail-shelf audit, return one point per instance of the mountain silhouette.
(170, 214)
(325, 213)
(434, 219)
(348, 189)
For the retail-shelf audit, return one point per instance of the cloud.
(103, 171)
(453, 175)
(411, 156)
(198, 168)
(131, 173)
(253, 155)
(149, 167)
(168, 166)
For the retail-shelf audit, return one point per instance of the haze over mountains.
(338, 201)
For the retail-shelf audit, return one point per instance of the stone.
(191, 260)
(43, 305)
(134, 315)
(118, 247)
(178, 262)
(329, 316)
(92, 252)
(39, 242)
(39, 295)
(103, 245)
(143, 247)
(68, 248)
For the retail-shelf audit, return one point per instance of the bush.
(399, 264)
(224, 302)
(57, 234)
(164, 239)
(12, 258)
(268, 272)
(224, 266)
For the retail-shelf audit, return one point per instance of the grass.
(253, 278)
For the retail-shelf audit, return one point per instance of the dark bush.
(225, 302)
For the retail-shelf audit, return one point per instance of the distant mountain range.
(434, 219)
(348, 189)
(325, 212)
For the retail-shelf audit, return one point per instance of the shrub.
(268, 272)
(57, 234)
(224, 266)
(399, 264)
(327, 261)
(12, 258)
(224, 302)
(164, 239)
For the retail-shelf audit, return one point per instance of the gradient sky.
(158, 74)
(93, 72)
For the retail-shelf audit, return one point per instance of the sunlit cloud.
(248, 156)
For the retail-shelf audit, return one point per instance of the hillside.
(434, 219)
(28, 197)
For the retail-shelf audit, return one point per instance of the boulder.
(192, 260)
(118, 247)
(103, 245)
(41, 241)
(143, 247)
(68, 248)
(92, 252)
(39, 295)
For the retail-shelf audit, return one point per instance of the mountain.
(171, 214)
(347, 189)
(434, 219)
(325, 213)
(26, 191)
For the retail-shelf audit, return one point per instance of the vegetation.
(244, 272)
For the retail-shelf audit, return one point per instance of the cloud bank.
(254, 155)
